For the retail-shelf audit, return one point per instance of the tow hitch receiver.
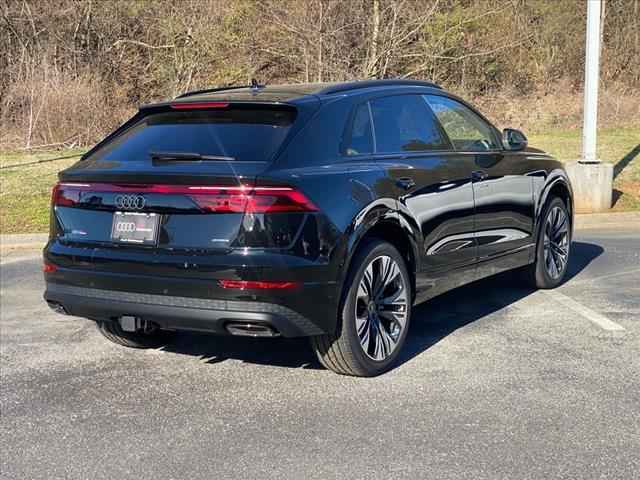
(129, 324)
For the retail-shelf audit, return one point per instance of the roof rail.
(344, 87)
(211, 90)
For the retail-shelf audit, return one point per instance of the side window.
(359, 136)
(404, 123)
(466, 130)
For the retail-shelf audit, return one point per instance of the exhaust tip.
(57, 307)
(251, 330)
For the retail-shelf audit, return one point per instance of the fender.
(557, 176)
(415, 236)
(381, 213)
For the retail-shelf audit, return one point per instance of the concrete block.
(592, 186)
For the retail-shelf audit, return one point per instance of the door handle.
(479, 175)
(405, 183)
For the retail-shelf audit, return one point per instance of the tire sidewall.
(348, 324)
(543, 279)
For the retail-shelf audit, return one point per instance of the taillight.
(48, 267)
(215, 199)
(257, 285)
(256, 200)
(67, 194)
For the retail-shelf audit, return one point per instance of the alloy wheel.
(556, 242)
(381, 308)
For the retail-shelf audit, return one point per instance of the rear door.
(432, 185)
(503, 191)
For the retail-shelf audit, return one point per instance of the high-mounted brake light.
(256, 285)
(198, 105)
(215, 199)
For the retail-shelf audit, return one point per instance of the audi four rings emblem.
(129, 227)
(130, 202)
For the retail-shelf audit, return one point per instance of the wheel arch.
(387, 226)
(559, 186)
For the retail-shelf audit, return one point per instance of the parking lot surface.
(496, 382)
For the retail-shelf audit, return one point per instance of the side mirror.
(513, 139)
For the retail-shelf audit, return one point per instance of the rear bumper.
(179, 313)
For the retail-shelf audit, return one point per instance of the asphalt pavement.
(496, 382)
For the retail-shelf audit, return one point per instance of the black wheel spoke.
(556, 248)
(381, 307)
(560, 225)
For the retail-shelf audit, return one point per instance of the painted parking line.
(591, 315)
(8, 259)
(607, 276)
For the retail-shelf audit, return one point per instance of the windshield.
(242, 133)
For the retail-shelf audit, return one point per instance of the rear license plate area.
(135, 228)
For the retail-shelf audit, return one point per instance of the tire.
(383, 326)
(546, 271)
(113, 332)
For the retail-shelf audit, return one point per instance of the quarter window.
(404, 123)
(359, 138)
(466, 130)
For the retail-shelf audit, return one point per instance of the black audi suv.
(319, 210)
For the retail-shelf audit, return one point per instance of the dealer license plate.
(135, 227)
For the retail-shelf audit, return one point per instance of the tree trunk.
(372, 64)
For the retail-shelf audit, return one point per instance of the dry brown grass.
(560, 107)
(50, 107)
(73, 69)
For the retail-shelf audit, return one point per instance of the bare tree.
(71, 70)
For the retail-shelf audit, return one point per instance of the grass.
(25, 191)
(620, 146)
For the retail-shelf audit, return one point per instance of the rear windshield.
(242, 133)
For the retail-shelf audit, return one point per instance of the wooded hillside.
(70, 71)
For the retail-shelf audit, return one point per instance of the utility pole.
(592, 181)
(591, 80)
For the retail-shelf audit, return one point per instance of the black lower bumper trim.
(179, 313)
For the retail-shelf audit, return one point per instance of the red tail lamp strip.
(218, 199)
(49, 267)
(256, 285)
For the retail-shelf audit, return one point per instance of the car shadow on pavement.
(275, 352)
(437, 318)
(432, 321)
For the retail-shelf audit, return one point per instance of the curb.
(34, 241)
(585, 221)
(23, 241)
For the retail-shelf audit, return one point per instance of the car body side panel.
(540, 172)
(439, 209)
(354, 194)
(505, 212)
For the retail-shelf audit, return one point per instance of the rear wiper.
(186, 157)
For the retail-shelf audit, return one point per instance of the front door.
(502, 188)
